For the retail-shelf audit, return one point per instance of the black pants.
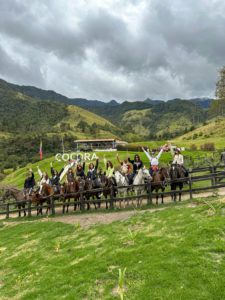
(185, 170)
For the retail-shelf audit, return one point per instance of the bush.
(193, 147)
(195, 136)
(208, 146)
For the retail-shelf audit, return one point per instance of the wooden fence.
(215, 177)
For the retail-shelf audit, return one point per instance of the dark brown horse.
(106, 184)
(89, 191)
(40, 197)
(176, 172)
(69, 190)
(18, 195)
(160, 179)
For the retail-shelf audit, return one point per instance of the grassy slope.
(77, 114)
(213, 132)
(176, 253)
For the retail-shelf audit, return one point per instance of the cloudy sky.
(114, 49)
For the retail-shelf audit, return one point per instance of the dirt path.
(87, 220)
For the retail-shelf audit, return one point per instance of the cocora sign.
(75, 156)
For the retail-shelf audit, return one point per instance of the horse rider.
(178, 159)
(137, 165)
(92, 171)
(44, 179)
(55, 180)
(126, 168)
(109, 170)
(80, 170)
(154, 159)
(222, 157)
(70, 176)
(29, 184)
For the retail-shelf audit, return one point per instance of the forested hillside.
(25, 121)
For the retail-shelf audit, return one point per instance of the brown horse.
(39, 198)
(106, 184)
(162, 177)
(68, 191)
(18, 195)
(89, 192)
(176, 172)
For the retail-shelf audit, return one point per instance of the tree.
(220, 85)
(217, 107)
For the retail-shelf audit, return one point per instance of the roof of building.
(100, 140)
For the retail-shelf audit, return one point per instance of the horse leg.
(157, 196)
(106, 202)
(175, 193)
(163, 189)
(64, 200)
(75, 205)
(19, 207)
(24, 212)
(67, 206)
(181, 186)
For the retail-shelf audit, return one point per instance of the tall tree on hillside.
(217, 107)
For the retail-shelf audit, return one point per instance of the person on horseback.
(126, 169)
(44, 179)
(109, 170)
(154, 159)
(29, 184)
(80, 170)
(178, 159)
(55, 180)
(70, 176)
(137, 165)
(222, 157)
(92, 170)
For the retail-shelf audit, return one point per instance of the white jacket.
(154, 160)
(43, 180)
(178, 158)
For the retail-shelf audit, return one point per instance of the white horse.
(140, 178)
(121, 180)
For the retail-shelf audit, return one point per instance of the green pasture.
(175, 253)
(17, 177)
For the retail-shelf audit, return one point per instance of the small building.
(98, 145)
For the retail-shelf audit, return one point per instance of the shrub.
(208, 146)
(195, 136)
(193, 147)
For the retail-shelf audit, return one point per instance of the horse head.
(146, 174)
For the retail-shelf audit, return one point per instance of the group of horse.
(102, 186)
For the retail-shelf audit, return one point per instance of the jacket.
(137, 165)
(29, 182)
(81, 172)
(92, 173)
(56, 179)
(154, 160)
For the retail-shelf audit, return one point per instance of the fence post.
(53, 205)
(29, 208)
(212, 176)
(190, 185)
(7, 211)
(150, 193)
(111, 196)
(81, 200)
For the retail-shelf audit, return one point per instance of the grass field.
(17, 177)
(175, 253)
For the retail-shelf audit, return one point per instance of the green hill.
(212, 132)
(25, 121)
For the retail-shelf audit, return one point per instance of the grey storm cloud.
(114, 49)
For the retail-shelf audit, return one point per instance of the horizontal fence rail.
(52, 202)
